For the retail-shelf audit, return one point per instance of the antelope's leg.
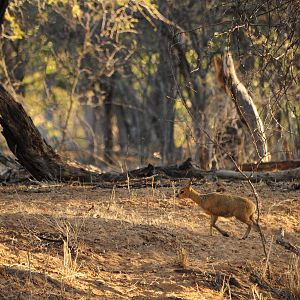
(247, 232)
(213, 221)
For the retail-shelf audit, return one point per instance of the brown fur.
(223, 205)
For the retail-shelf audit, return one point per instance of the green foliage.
(15, 30)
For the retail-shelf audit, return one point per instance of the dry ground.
(133, 244)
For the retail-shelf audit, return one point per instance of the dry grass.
(256, 295)
(85, 243)
(70, 250)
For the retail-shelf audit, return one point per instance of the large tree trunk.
(163, 95)
(32, 151)
(244, 104)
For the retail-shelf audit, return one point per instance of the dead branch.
(244, 103)
(271, 165)
(280, 240)
(286, 175)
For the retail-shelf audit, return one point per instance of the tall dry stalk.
(70, 260)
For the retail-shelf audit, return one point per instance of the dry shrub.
(182, 257)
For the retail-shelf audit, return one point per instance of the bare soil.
(84, 242)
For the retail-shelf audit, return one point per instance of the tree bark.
(108, 115)
(39, 158)
(244, 104)
(3, 6)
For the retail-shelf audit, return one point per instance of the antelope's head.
(185, 191)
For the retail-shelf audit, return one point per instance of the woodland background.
(121, 83)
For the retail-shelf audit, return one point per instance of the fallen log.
(189, 170)
(287, 175)
(271, 165)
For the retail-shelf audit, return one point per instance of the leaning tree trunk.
(31, 150)
(244, 104)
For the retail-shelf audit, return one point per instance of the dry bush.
(182, 258)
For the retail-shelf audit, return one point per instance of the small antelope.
(222, 205)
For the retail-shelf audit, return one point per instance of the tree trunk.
(89, 123)
(32, 151)
(108, 114)
(3, 6)
(197, 94)
(123, 129)
(164, 94)
(244, 104)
